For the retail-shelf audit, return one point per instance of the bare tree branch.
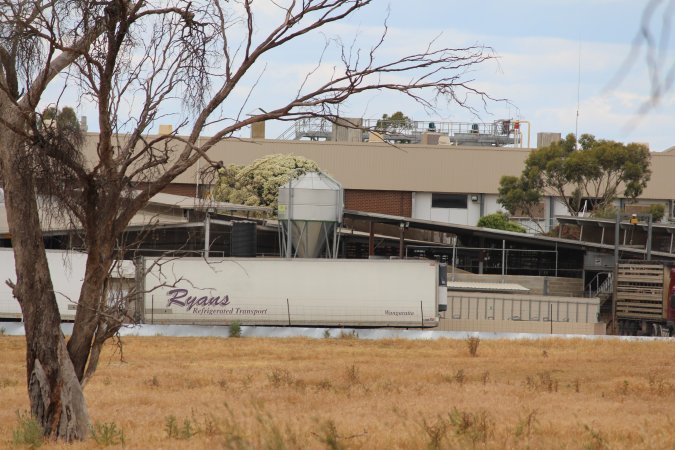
(139, 62)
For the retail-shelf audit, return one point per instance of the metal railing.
(310, 127)
(597, 287)
(497, 133)
(494, 260)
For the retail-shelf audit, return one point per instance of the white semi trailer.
(256, 291)
(67, 269)
(293, 292)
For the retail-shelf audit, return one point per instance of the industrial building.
(415, 192)
(437, 175)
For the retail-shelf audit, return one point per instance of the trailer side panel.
(303, 292)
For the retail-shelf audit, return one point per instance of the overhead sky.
(551, 53)
(554, 58)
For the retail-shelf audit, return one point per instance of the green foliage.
(606, 212)
(258, 183)
(184, 432)
(171, 426)
(518, 195)
(500, 221)
(396, 121)
(64, 119)
(107, 434)
(28, 432)
(235, 329)
(657, 210)
(593, 169)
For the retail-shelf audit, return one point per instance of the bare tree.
(652, 47)
(120, 53)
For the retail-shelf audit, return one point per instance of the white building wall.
(463, 216)
(491, 204)
(559, 208)
(422, 205)
(473, 213)
(450, 215)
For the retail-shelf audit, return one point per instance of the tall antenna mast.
(576, 126)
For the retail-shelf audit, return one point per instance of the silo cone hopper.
(310, 212)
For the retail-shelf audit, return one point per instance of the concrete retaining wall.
(517, 313)
(558, 286)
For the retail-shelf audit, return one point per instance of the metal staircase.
(600, 286)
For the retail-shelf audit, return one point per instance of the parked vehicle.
(256, 291)
(645, 302)
(67, 269)
(303, 292)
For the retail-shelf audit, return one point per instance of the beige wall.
(379, 166)
(662, 183)
(526, 308)
(417, 168)
(384, 167)
(512, 326)
(560, 286)
(512, 313)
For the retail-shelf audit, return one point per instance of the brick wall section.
(185, 189)
(397, 203)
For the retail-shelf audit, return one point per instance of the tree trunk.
(56, 397)
(91, 303)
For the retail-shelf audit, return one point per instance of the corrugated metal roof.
(181, 201)
(491, 233)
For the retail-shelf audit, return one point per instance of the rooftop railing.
(496, 134)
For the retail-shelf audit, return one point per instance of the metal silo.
(310, 212)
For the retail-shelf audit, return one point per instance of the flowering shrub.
(258, 183)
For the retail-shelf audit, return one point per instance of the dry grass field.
(255, 393)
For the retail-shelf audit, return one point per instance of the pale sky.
(542, 45)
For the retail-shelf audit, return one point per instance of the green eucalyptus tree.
(572, 172)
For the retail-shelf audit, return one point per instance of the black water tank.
(243, 239)
(442, 274)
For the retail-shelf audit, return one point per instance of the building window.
(453, 201)
(588, 204)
